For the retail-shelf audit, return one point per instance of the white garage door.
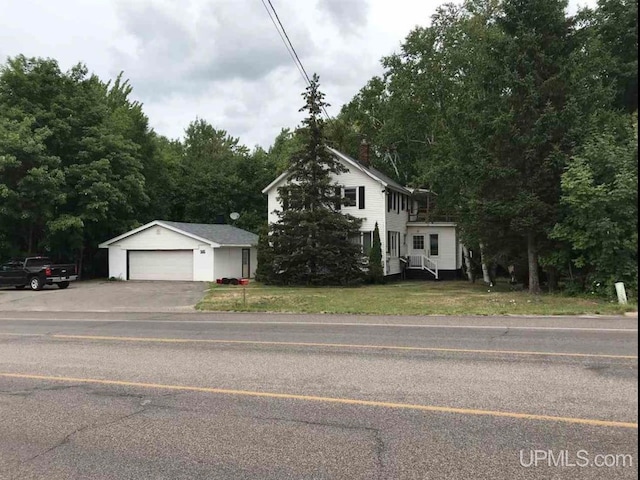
(161, 265)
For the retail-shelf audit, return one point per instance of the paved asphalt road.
(285, 396)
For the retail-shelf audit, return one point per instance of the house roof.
(216, 235)
(370, 171)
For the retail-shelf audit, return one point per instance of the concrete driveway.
(103, 296)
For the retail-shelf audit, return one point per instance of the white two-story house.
(413, 244)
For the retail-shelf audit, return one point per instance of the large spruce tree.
(311, 243)
(531, 145)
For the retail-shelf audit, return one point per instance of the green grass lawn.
(403, 298)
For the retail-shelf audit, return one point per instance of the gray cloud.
(227, 40)
(348, 15)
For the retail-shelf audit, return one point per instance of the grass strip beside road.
(404, 298)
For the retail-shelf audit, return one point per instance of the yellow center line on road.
(335, 400)
(318, 344)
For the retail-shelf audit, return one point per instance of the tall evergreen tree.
(531, 142)
(312, 241)
(376, 272)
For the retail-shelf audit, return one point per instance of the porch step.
(418, 274)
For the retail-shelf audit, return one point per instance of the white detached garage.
(163, 250)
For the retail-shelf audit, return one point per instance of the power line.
(290, 48)
(289, 40)
(291, 54)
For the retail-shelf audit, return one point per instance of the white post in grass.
(622, 294)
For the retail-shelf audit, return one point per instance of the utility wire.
(291, 54)
(290, 47)
(289, 41)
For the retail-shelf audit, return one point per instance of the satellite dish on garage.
(234, 215)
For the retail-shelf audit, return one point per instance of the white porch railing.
(421, 262)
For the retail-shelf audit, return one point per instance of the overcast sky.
(220, 60)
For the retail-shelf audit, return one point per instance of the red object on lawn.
(244, 281)
(218, 280)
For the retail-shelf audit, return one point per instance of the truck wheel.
(63, 285)
(20, 287)
(36, 283)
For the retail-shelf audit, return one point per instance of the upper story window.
(350, 196)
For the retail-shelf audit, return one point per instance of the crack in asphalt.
(67, 438)
(377, 435)
(33, 390)
(503, 334)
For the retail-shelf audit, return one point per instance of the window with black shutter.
(350, 197)
(338, 204)
(361, 198)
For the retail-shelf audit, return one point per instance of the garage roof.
(215, 234)
(221, 234)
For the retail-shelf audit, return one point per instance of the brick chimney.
(364, 153)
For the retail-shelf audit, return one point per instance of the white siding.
(162, 239)
(395, 222)
(117, 262)
(273, 203)
(375, 198)
(203, 264)
(376, 211)
(158, 238)
(448, 251)
(254, 261)
(228, 262)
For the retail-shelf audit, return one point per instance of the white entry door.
(161, 265)
(417, 244)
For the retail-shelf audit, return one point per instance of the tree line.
(524, 120)
(79, 164)
(521, 117)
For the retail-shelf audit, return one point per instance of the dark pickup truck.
(36, 272)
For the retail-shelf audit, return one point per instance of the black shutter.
(389, 201)
(338, 204)
(361, 198)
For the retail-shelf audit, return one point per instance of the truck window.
(38, 262)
